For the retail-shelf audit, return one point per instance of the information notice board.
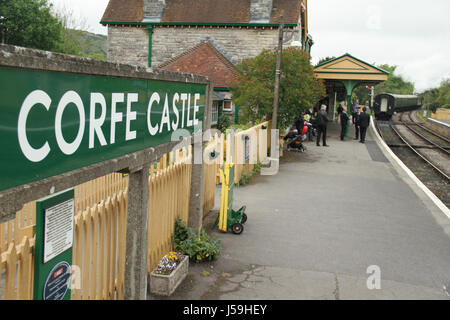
(54, 242)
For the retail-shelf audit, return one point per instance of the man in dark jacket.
(344, 121)
(357, 123)
(322, 122)
(364, 122)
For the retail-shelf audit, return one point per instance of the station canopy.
(346, 72)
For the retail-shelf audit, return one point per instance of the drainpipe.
(150, 33)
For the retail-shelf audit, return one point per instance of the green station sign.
(52, 123)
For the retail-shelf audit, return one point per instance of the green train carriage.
(386, 104)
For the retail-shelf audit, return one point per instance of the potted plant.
(199, 248)
(170, 272)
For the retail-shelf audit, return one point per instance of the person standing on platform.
(364, 122)
(322, 123)
(344, 122)
(352, 107)
(340, 109)
(357, 123)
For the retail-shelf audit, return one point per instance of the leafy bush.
(198, 248)
(223, 122)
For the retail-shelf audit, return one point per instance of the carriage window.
(384, 105)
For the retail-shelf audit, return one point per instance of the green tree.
(362, 94)
(437, 97)
(35, 24)
(326, 59)
(395, 83)
(29, 23)
(443, 100)
(253, 90)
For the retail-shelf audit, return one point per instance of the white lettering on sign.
(96, 120)
(165, 119)
(184, 97)
(176, 98)
(151, 129)
(115, 116)
(189, 121)
(67, 98)
(34, 98)
(96, 123)
(58, 230)
(196, 107)
(131, 116)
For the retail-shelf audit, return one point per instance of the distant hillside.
(91, 45)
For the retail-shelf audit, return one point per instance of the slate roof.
(205, 60)
(200, 11)
(124, 11)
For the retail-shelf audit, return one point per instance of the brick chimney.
(153, 10)
(260, 11)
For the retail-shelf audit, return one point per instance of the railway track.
(437, 139)
(428, 158)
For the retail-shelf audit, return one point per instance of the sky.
(411, 34)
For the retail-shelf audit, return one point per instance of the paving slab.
(315, 228)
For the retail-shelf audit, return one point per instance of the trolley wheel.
(244, 218)
(237, 228)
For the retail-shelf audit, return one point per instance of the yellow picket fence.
(16, 264)
(99, 250)
(100, 219)
(99, 229)
(169, 193)
(245, 160)
(244, 157)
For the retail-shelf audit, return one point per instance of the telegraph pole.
(278, 74)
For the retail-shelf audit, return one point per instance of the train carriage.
(386, 104)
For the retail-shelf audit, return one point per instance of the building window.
(215, 112)
(227, 105)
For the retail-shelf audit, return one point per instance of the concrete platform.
(315, 228)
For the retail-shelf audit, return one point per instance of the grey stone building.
(151, 32)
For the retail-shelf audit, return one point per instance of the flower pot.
(165, 285)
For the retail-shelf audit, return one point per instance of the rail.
(418, 153)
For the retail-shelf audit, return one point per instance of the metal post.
(136, 236)
(150, 33)
(278, 75)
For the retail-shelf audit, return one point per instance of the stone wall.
(235, 44)
(128, 45)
